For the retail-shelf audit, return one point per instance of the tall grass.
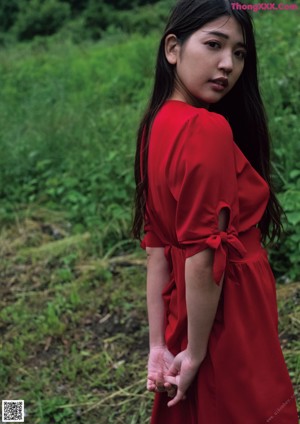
(68, 117)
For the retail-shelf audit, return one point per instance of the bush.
(8, 12)
(279, 56)
(97, 17)
(40, 18)
(82, 19)
(145, 20)
(128, 4)
(100, 17)
(77, 5)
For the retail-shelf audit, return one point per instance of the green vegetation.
(84, 19)
(73, 319)
(68, 121)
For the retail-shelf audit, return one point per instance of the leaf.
(294, 173)
(293, 217)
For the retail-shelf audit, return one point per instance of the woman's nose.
(226, 63)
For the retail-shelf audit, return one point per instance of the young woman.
(205, 201)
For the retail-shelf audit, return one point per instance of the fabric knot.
(224, 236)
(223, 243)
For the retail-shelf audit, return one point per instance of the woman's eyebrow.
(225, 36)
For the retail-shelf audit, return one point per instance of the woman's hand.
(159, 362)
(181, 374)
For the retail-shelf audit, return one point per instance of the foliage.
(279, 57)
(97, 17)
(285, 256)
(148, 18)
(77, 5)
(8, 12)
(38, 17)
(68, 134)
(23, 20)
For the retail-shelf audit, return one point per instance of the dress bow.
(223, 243)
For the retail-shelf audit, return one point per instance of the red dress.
(195, 169)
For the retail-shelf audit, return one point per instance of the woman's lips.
(219, 84)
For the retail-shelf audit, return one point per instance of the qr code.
(13, 411)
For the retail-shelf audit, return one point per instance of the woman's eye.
(213, 44)
(241, 54)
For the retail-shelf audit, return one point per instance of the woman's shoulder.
(188, 133)
(182, 117)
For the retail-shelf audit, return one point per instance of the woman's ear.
(172, 48)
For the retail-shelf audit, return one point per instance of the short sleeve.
(203, 182)
(150, 238)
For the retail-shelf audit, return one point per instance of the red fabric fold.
(223, 243)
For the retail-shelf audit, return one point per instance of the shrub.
(8, 12)
(145, 20)
(128, 4)
(279, 57)
(40, 18)
(97, 17)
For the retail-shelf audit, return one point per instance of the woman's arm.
(202, 298)
(160, 359)
(157, 278)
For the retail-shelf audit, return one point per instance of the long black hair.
(242, 106)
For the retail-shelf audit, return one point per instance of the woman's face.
(208, 63)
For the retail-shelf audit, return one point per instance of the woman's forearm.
(202, 298)
(157, 278)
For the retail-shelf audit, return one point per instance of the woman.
(206, 202)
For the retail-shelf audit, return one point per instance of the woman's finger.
(179, 396)
(171, 380)
(174, 368)
(159, 383)
(150, 386)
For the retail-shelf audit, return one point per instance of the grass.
(74, 329)
(73, 325)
